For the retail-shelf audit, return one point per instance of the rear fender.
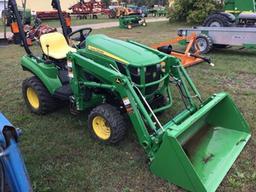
(230, 16)
(47, 73)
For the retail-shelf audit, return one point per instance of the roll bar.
(12, 6)
(56, 5)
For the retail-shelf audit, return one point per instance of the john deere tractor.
(126, 81)
(236, 13)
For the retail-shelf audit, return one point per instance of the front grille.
(152, 74)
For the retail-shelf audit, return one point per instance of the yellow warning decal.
(107, 54)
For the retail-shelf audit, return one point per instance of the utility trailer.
(221, 37)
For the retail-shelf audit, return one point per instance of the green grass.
(60, 155)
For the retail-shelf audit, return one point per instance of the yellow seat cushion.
(57, 45)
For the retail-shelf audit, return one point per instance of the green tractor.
(236, 13)
(158, 10)
(130, 21)
(126, 81)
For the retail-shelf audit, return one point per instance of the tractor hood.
(121, 51)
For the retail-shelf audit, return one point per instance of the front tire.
(106, 124)
(37, 97)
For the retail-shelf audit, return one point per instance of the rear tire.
(216, 20)
(37, 97)
(106, 124)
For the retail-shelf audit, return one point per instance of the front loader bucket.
(197, 154)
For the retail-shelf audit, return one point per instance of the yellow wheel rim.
(100, 128)
(32, 98)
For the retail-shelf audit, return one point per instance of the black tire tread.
(209, 42)
(217, 17)
(47, 102)
(114, 119)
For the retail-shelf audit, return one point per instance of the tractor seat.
(55, 45)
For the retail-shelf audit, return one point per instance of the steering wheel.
(79, 36)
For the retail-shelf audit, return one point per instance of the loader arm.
(114, 81)
(136, 106)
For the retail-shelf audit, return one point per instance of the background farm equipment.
(236, 13)
(49, 15)
(122, 9)
(24, 13)
(130, 21)
(158, 10)
(84, 9)
(32, 32)
(118, 11)
(13, 172)
(35, 32)
(125, 79)
(221, 37)
(3, 40)
(190, 57)
(143, 10)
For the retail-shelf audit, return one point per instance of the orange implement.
(187, 58)
(14, 27)
(68, 21)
